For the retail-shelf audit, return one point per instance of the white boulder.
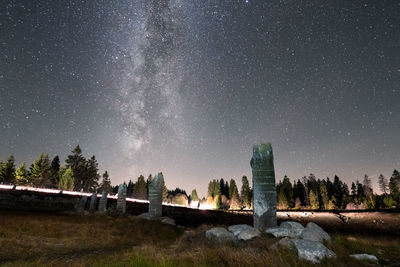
(314, 233)
(366, 257)
(311, 250)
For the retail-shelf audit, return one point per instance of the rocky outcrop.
(311, 250)
(219, 235)
(314, 233)
(287, 229)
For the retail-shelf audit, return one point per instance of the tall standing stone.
(82, 204)
(264, 207)
(103, 203)
(93, 203)
(121, 201)
(155, 195)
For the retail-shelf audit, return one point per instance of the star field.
(186, 87)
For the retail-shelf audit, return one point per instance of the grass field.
(29, 239)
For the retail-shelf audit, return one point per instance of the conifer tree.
(40, 171)
(245, 192)
(105, 185)
(140, 188)
(91, 179)
(383, 184)
(314, 200)
(394, 186)
(165, 193)
(324, 196)
(194, 195)
(8, 171)
(66, 181)
(77, 162)
(21, 175)
(1, 172)
(54, 171)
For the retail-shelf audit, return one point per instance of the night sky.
(187, 87)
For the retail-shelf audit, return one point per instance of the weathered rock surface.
(155, 195)
(262, 164)
(103, 203)
(93, 203)
(311, 250)
(315, 233)
(219, 235)
(146, 216)
(82, 204)
(121, 200)
(167, 220)
(243, 232)
(286, 229)
(366, 257)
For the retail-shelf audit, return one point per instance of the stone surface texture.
(155, 195)
(366, 257)
(219, 235)
(286, 229)
(121, 200)
(311, 250)
(93, 202)
(315, 233)
(82, 204)
(243, 232)
(103, 203)
(262, 164)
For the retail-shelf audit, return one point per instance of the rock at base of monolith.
(93, 202)
(121, 200)
(262, 164)
(315, 233)
(286, 229)
(82, 204)
(243, 232)
(219, 235)
(365, 257)
(311, 250)
(103, 203)
(155, 195)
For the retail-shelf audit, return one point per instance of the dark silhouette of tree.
(105, 185)
(77, 162)
(245, 192)
(7, 171)
(140, 188)
(54, 171)
(40, 171)
(394, 187)
(91, 179)
(383, 184)
(22, 175)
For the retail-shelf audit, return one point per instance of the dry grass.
(57, 240)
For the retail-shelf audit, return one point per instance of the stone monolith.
(121, 201)
(155, 195)
(264, 206)
(93, 202)
(82, 204)
(103, 203)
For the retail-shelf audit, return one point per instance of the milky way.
(186, 87)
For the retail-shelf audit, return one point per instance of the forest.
(309, 192)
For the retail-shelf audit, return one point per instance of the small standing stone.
(121, 201)
(262, 164)
(82, 204)
(155, 195)
(93, 203)
(103, 203)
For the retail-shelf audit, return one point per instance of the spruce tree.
(324, 196)
(77, 162)
(245, 192)
(140, 188)
(40, 171)
(105, 185)
(194, 195)
(383, 184)
(91, 179)
(21, 175)
(54, 170)
(314, 200)
(1, 172)
(66, 181)
(394, 186)
(8, 172)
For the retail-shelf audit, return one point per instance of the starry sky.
(187, 87)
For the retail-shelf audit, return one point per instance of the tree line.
(78, 173)
(311, 193)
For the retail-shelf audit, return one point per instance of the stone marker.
(121, 201)
(93, 203)
(103, 203)
(264, 207)
(82, 204)
(155, 195)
